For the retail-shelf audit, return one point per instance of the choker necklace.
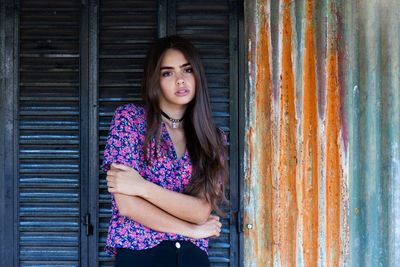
(175, 122)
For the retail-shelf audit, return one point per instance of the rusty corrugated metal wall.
(322, 146)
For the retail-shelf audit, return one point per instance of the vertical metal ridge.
(390, 41)
(351, 17)
(275, 45)
(286, 193)
(258, 184)
(332, 127)
(374, 251)
(309, 157)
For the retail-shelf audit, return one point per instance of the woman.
(165, 165)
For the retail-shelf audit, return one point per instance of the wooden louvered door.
(49, 134)
(126, 29)
(77, 61)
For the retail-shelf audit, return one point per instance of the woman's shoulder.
(132, 113)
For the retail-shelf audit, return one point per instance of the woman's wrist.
(192, 231)
(144, 189)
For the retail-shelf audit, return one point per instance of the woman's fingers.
(214, 220)
(120, 166)
(111, 187)
(215, 217)
(111, 190)
(217, 225)
(211, 228)
(112, 172)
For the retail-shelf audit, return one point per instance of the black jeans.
(165, 254)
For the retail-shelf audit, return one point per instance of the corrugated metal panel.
(322, 138)
(48, 185)
(126, 29)
(206, 23)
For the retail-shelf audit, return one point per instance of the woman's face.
(177, 81)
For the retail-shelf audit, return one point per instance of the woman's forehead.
(173, 58)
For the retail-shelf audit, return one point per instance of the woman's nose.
(180, 80)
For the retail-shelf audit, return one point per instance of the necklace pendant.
(175, 125)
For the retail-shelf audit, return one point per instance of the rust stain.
(259, 138)
(263, 233)
(309, 149)
(333, 166)
(285, 206)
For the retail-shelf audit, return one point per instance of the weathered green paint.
(372, 85)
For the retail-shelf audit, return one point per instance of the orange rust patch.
(260, 134)
(285, 209)
(263, 145)
(333, 168)
(309, 150)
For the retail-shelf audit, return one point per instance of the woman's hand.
(124, 180)
(211, 228)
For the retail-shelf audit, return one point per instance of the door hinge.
(88, 224)
(239, 221)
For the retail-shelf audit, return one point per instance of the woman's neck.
(174, 112)
(173, 115)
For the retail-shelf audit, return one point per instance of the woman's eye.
(189, 70)
(166, 74)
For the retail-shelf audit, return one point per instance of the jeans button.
(178, 245)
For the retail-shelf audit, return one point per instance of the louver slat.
(125, 31)
(49, 186)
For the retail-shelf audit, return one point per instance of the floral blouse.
(125, 146)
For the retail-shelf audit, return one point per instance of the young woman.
(166, 165)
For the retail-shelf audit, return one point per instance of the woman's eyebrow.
(184, 65)
(168, 67)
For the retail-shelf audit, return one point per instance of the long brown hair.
(205, 143)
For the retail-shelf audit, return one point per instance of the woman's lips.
(182, 92)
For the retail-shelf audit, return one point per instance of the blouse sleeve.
(118, 148)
